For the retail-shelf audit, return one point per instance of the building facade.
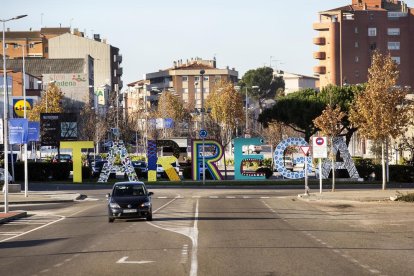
(73, 76)
(296, 82)
(185, 79)
(348, 36)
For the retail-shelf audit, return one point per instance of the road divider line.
(166, 204)
(35, 229)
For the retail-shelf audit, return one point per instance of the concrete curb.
(6, 217)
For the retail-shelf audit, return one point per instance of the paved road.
(213, 232)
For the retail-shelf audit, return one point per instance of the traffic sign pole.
(320, 175)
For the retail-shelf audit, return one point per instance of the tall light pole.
(5, 119)
(202, 72)
(26, 176)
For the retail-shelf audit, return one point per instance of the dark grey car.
(129, 200)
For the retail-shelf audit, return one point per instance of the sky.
(151, 34)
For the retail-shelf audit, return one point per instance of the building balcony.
(118, 71)
(319, 70)
(319, 41)
(118, 58)
(321, 26)
(319, 55)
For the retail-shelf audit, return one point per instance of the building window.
(393, 31)
(373, 46)
(372, 31)
(356, 44)
(184, 78)
(356, 30)
(31, 45)
(46, 49)
(206, 78)
(396, 59)
(371, 16)
(197, 78)
(393, 45)
(356, 59)
(15, 46)
(357, 74)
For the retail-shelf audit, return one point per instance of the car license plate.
(130, 210)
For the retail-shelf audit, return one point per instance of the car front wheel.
(149, 217)
(111, 220)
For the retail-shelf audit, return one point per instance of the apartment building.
(348, 35)
(65, 43)
(184, 79)
(295, 82)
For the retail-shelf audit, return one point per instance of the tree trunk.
(333, 156)
(383, 165)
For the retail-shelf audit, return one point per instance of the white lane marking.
(230, 197)
(10, 233)
(213, 196)
(162, 197)
(192, 233)
(123, 260)
(374, 271)
(263, 197)
(246, 197)
(196, 196)
(59, 264)
(194, 238)
(165, 205)
(34, 229)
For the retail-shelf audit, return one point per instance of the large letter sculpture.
(108, 167)
(164, 161)
(214, 155)
(241, 159)
(77, 147)
(348, 164)
(279, 162)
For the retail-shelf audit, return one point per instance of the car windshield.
(128, 190)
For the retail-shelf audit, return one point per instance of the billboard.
(56, 127)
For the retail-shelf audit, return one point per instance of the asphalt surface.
(215, 232)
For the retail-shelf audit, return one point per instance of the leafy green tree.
(382, 111)
(264, 79)
(296, 110)
(51, 102)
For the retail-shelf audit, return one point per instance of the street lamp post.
(23, 46)
(202, 72)
(5, 119)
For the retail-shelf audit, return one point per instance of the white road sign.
(320, 147)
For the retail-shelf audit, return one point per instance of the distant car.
(62, 158)
(129, 200)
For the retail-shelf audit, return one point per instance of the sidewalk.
(33, 198)
(354, 195)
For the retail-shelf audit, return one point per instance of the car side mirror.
(108, 195)
(150, 193)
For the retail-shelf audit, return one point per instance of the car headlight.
(114, 205)
(146, 204)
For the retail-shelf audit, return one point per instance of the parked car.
(62, 158)
(161, 172)
(97, 168)
(129, 200)
(141, 166)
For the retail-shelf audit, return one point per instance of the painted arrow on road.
(123, 260)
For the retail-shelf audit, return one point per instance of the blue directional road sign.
(203, 133)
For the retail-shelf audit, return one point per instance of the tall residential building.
(348, 35)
